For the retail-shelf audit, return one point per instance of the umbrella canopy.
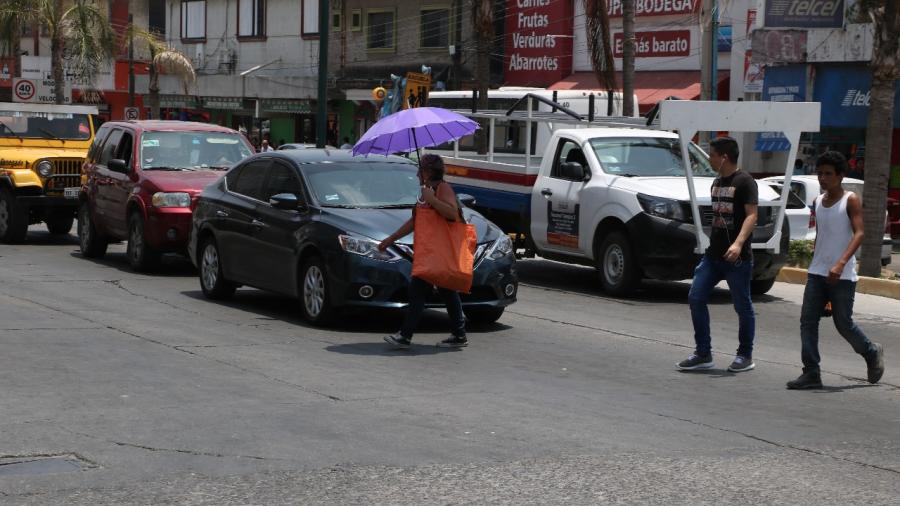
(411, 129)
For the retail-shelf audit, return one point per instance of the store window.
(435, 27)
(380, 33)
(193, 19)
(251, 18)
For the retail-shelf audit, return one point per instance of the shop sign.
(805, 13)
(662, 43)
(290, 106)
(40, 67)
(38, 91)
(654, 7)
(779, 46)
(781, 84)
(753, 72)
(845, 93)
(177, 102)
(227, 103)
(538, 42)
(7, 71)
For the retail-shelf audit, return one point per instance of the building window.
(193, 19)
(435, 27)
(380, 34)
(356, 20)
(309, 18)
(251, 18)
(156, 16)
(336, 21)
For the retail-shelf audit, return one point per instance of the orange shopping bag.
(443, 251)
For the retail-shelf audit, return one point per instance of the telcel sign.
(804, 13)
(538, 42)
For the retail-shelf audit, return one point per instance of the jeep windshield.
(647, 156)
(192, 150)
(44, 125)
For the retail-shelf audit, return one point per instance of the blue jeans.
(706, 276)
(418, 292)
(818, 291)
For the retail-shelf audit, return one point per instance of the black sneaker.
(453, 342)
(876, 364)
(695, 362)
(398, 340)
(741, 364)
(807, 380)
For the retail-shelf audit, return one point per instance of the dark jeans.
(418, 292)
(841, 295)
(707, 274)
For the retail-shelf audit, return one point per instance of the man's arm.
(854, 212)
(734, 251)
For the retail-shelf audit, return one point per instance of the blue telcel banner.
(844, 92)
(804, 13)
(782, 84)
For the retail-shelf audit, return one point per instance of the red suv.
(139, 180)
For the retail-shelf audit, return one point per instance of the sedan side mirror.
(118, 165)
(466, 199)
(574, 171)
(285, 201)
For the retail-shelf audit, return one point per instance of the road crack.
(197, 453)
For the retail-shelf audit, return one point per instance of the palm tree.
(598, 38)
(163, 59)
(483, 25)
(628, 57)
(885, 65)
(80, 35)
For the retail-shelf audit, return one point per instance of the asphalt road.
(123, 388)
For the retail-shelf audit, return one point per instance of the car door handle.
(258, 224)
(547, 192)
(221, 214)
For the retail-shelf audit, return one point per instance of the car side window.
(108, 151)
(125, 148)
(232, 176)
(94, 151)
(568, 151)
(251, 180)
(283, 179)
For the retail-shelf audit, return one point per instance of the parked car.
(140, 179)
(801, 219)
(807, 188)
(307, 223)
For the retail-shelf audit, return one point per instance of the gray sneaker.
(695, 362)
(453, 342)
(876, 365)
(398, 340)
(741, 364)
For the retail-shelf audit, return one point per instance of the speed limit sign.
(24, 90)
(132, 113)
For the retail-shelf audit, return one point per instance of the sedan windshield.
(364, 184)
(648, 156)
(192, 150)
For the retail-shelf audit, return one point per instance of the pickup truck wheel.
(761, 286)
(483, 315)
(90, 242)
(13, 220)
(141, 256)
(60, 223)
(314, 292)
(617, 266)
(212, 281)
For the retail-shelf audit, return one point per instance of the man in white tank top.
(832, 274)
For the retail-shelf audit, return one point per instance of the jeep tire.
(13, 218)
(60, 223)
(141, 256)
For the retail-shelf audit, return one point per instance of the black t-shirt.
(729, 195)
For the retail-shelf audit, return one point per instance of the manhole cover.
(44, 464)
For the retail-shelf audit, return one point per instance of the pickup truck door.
(555, 202)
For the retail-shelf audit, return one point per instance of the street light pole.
(322, 101)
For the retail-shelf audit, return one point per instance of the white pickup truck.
(615, 198)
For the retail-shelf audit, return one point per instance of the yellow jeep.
(42, 148)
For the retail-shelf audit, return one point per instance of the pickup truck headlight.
(45, 168)
(366, 247)
(501, 247)
(663, 207)
(171, 199)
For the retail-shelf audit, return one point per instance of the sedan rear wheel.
(314, 292)
(212, 281)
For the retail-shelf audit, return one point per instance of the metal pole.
(130, 61)
(322, 101)
(714, 52)
(491, 140)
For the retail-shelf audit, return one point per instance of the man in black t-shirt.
(734, 208)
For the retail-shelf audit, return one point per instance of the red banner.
(654, 7)
(539, 41)
(7, 72)
(662, 43)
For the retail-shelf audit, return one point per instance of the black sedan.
(306, 223)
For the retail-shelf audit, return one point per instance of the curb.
(872, 286)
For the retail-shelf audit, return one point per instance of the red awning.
(651, 86)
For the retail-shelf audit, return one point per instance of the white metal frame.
(790, 118)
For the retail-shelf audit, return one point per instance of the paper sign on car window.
(150, 143)
(221, 140)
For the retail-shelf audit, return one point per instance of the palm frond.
(14, 14)
(89, 40)
(173, 62)
(598, 38)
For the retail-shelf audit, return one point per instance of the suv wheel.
(90, 242)
(617, 265)
(314, 292)
(141, 256)
(484, 315)
(60, 223)
(212, 281)
(761, 286)
(13, 220)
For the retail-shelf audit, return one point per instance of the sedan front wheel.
(314, 292)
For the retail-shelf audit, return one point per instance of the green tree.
(598, 39)
(163, 60)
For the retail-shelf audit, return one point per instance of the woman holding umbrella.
(438, 195)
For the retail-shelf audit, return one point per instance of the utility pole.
(130, 60)
(322, 102)
(628, 57)
(708, 56)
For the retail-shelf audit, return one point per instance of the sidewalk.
(872, 286)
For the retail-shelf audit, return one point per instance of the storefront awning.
(650, 86)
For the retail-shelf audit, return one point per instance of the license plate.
(72, 193)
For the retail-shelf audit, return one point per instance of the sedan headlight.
(366, 247)
(171, 199)
(501, 247)
(45, 168)
(663, 207)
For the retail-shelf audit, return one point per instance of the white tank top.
(833, 235)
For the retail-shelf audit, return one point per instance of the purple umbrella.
(411, 129)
